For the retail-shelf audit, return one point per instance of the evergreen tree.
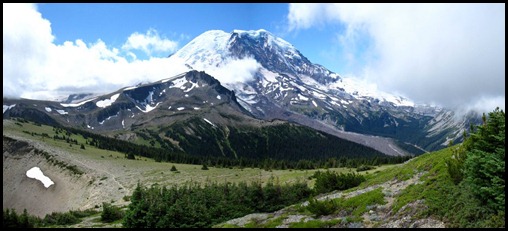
(484, 167)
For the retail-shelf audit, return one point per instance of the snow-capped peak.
(270, 39)
(208, 48)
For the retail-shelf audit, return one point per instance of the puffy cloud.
(35, 67)
(149, 43)
(448, 54)
(232, 70)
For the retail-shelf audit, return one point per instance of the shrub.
(364, 168)
(110, 213)
(329, 181)
(322, 208)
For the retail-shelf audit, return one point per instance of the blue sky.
(450, 55)
(180, 22)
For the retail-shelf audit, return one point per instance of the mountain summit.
(286, 85)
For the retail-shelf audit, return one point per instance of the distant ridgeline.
(283, 146)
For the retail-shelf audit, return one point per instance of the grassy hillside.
(431, 196)
(418, 193)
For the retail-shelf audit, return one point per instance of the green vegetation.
(195, 206)
(477, 167)
(12, 220)
(110, 213)
(462, 185)
(364, 168)
(329, 181)
(322, 208)
(354, 206)
(358, 205)
(280, 153)
(280, 146)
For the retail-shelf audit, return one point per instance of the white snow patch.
(123, 123)
(76, 104)
(148, 108)
(250, 99)
(268, 77)
(208, 121)
(186, 95)
(314, 102)
(107, 102)
(218, 97)
(8, 107)
(361, 89)
(36, 173)
(48, 109)
(130, 88)
(319, 95)
(180, 108)
(169, 107)
(301, 97)
(192, 87)
(303, 89)
(62, 112)
(178, 83)
(196, 108)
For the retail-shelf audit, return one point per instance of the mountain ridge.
(288, 83)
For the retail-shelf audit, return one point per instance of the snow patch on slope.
(36, 173)
(5, 107)
(208, 121)
(76, 104)
(62, 112)
(107, 102)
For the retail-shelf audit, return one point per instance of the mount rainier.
(286, 85)
(262, 79)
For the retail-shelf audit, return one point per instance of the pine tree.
(204, 167)
(484, 167)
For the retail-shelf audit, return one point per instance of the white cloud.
(149, 43)
(35, 67)
(232, 70)
(449, 54)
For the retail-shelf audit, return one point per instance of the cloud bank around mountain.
(451, 55)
